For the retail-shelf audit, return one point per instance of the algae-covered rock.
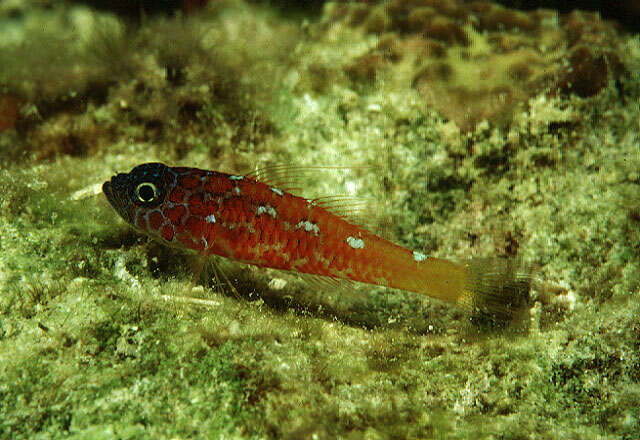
(489, 59)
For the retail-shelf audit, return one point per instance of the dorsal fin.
(294, 178)
(354, 209)
(289, 178)
(361, 211)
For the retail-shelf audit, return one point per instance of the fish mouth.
(116, 194)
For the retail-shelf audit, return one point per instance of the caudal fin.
(498, 289)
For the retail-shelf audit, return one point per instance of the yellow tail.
(495, 288)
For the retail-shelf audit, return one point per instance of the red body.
(250, 221)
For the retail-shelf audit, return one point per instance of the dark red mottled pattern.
(249, 221)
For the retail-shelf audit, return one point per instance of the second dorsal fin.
(361, 211)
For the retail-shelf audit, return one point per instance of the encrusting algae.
(479, 60)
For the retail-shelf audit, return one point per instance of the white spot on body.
(309, 227)
(418, 257)
(268, 210)
(277, 191)
(236, 177)
(356, 243)
(206, 245)
(210, 218)
(237, 190)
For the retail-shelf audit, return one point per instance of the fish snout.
(116, 192)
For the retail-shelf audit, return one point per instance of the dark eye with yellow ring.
(146, 192)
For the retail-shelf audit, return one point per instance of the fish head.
(136, 194)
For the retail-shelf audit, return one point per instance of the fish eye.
(146, 192)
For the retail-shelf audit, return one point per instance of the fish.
(250, 219)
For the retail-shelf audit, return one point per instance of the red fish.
(251, 221)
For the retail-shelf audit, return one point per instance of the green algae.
(97, 341)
